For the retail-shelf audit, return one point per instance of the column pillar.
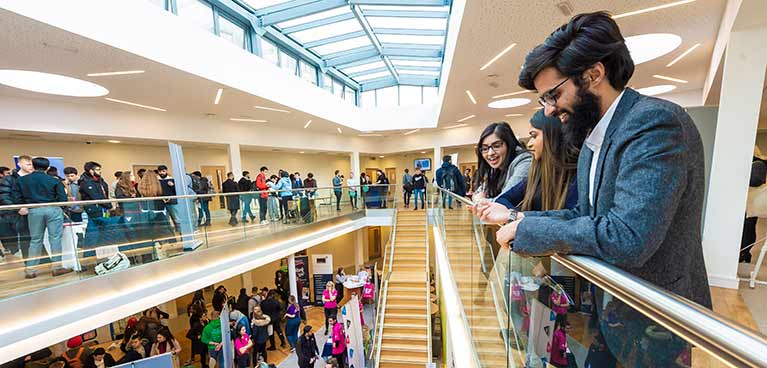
(355, 165)
(292, 276)
(359, 249)
(247, 281)
(738, 119)
(183, 212)
(235, 160)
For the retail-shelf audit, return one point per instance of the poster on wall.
(322, 270)
(57, 162)
(302, 274)
(541, 332)
(353, 327)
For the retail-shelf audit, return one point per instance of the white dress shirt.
(594, 142)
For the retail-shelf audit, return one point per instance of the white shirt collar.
(597, 135)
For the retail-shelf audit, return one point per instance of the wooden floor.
(405, 331)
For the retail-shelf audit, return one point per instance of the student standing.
(232, 201)
(407, 187)
(352, 190)
(242, 346)
(293, 316)
(260, 325)
(330, 300)
(419, 188)
(307, 349)
(263, 187)
(337, 184)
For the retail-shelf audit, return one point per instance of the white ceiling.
(489, 26)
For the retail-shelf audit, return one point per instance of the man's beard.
(583, 118)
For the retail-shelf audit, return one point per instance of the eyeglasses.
(549, 98)
(495, 147)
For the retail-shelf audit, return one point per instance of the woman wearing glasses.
(503, 161)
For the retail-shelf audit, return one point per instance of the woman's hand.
(491, 212)
(507, 233)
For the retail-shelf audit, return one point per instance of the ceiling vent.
(565, 7)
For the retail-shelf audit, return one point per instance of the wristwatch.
(512, 215)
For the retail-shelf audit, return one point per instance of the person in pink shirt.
(339, 341)
(242, 346)
(558, 346)
(559, 302)
(368, 292)
(330, 299)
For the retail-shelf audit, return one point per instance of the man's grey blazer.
(648, 201)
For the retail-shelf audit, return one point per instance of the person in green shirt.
(211, 337)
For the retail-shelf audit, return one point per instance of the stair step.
(404, 347)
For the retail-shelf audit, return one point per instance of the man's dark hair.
(52, 171)
(447, 158)
(264, 168)
(297, 173)
(70, 170)
(575, 47)
(90, 165)
(40, 163)
(245, 173)
(229, 174)
(141, 171)
(407, 171)
(118, 174)
(162, 167)
(4, 169)
(309, 175)
(197, 173)
(336, 172)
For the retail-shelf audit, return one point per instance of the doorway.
(372, 174)
(391, 173)
(215, 175)
(374, 242)
(472, 166)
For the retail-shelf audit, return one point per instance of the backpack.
(197, 184)
(204, 186)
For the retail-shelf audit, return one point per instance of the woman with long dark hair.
(503, 161)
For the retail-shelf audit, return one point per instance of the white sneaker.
(116, 262)
(265, 222)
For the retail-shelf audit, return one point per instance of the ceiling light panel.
(429, 73)
(271, 109)
(108, 74)
(364, 67)
(656, 90)
(307, 124)
(646, 47)
(372, 76)
(247, 120)
(508, 103)
(455, 126)
(498, 56)
(258, 4)
(327, 31)
(471, 97)
(682, 55)
(342, 45)
(317, 16)
(407, 23)
(412, 39)
(52, 84)
(466, 118)
(134, 104)
(651, 9)
(513, 93)
(416, 63)
(669, 78)
(218, 96)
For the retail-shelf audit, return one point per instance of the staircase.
(405, 337)
(474, 288)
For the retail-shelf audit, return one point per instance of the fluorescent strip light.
(423, 152)
(339, 131)
(513, 93)
(466, 118)
(381, 156)
(411, 132)
(307, 124)
(218, 96)
(691, 49)
(456, 126)
(113, 141)
(507, 49)
(471, 97)
(302, 152)
(248, 120)
(115, 73)
(510, 115)
(134, 104)
(669, 78)
(650, 9)
(271, 109)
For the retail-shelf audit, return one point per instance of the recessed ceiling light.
(455, 126)
(669, 78)
(646, 47)
(471, 97)
(134, 104)
(271, 109)
(53, 84)
(248, 120)
(113, 141)
(107, 74)
(512, 94)
(511, 115)
(508, 103)
(466, 118)
(423, 152)
(218, 96)
(496, 57)
(654, 8)
(412, 131)
(302, 152)
(691, 49)
(656, 90)
(339, 131)
(307, 124)
(381, 156)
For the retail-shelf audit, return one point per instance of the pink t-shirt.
(339, 339)
(241, 342)
(559, 348)
(332, 295)
(562, 299)
(516, 293)
(368, 291)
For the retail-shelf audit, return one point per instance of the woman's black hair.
(283, 174)
(575, 47)
(494, 179)
(561, 321)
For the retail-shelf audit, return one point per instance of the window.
(409, 95)
(197, 13)
(338, 89)
(350, 95)
(270, 52)
(308, 72)
(387, 97)
(160, 3)
(288, 63)
(327, 83)
(369, 99)
(430, 95)
(231, 32)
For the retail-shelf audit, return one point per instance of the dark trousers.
(204, 209)
(338, 200)
(353, 200)
(13, 239)
(278, 332)
(341, 359)
(259, 349)
(748, 238)
(407, 195)
(262, 208)
(198, 348)
(233, 217)
(284, 207)
(329, 312)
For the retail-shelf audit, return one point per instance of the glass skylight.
(360, 68)
(373, 76)
(317, 16)
(420, 72)
(426, 40)
(406, 8)
(330, 30)
(408, 23)
(258, 4)
(397, 62)
(343, 45)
